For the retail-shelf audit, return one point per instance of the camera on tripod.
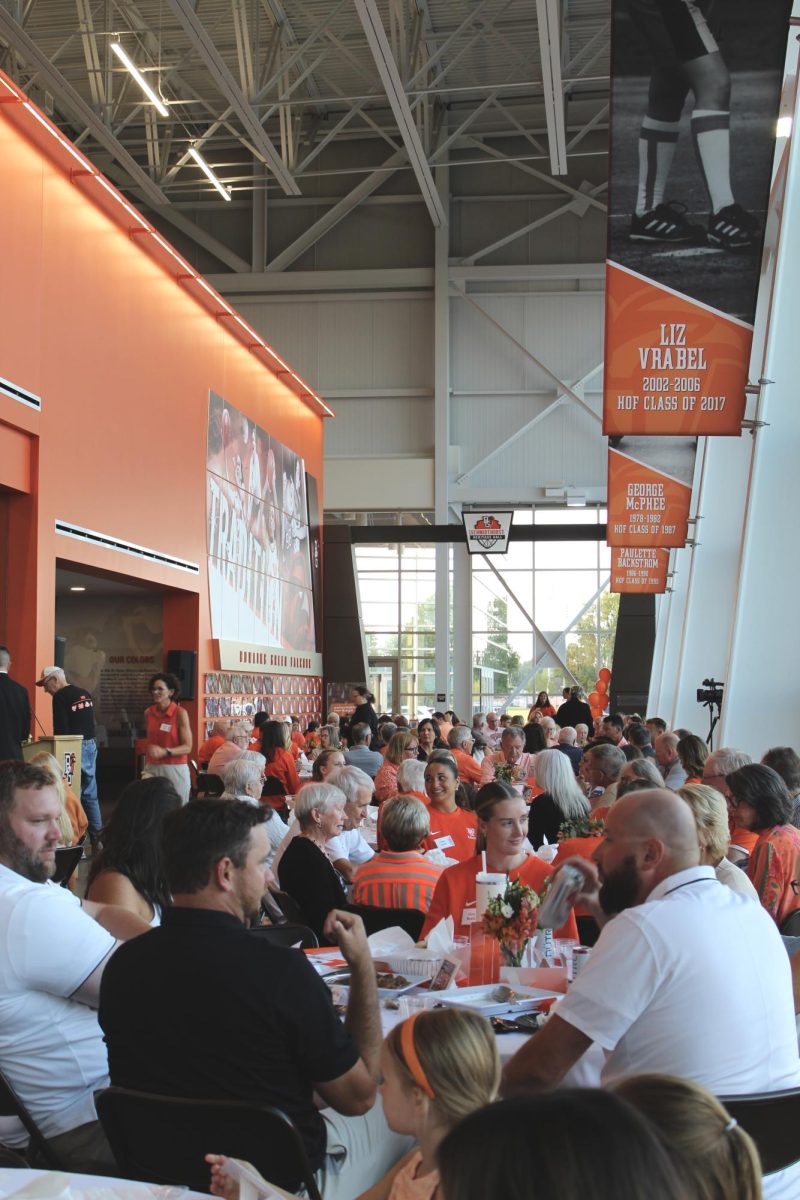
(710, 693)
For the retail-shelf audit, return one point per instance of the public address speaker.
(183, 664)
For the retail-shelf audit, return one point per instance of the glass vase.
(513, 957)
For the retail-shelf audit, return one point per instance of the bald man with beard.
(687, 978)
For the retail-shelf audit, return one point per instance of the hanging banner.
(639, 569)
(695, 96)
(647, 506)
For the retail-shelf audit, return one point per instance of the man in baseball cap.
(73, 713)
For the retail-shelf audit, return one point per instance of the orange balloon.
(604, 674)
(595, 699)
(597, 711)
(601, 686)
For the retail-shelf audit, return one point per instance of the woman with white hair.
(562, 799)
(411, 778)
(244, 779)
(305, 871)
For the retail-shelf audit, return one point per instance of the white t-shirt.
(694, 982)
(351, 845)
(51, 1047)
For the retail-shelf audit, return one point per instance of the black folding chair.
(791, 926)
(12, 1106)
(376, 918)
(288, 934)
(289, 907)
(772, 1119)
(209, 785)
(164, 1139)
(10, 1158)
(67, 859)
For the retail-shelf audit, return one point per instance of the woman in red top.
(280, 764)
(402, 745)
(762, 803)
(169, 735)
(454, 830)
(503, 825)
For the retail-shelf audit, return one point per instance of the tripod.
(713, 719)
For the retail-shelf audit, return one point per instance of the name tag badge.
(469, 916)
(444, 842)
(165, 728)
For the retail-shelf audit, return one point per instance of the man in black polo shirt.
(201, 1007)
(73, 712)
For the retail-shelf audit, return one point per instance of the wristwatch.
(169, 752)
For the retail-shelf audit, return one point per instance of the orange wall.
(123, 359)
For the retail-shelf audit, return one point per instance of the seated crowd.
(158, 981)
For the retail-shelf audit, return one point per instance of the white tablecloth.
(53, 1185)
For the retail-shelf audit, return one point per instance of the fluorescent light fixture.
(784, 128)
(77, 589)
(130, 65)
(576, 500)
(206, 169)
(549, 34)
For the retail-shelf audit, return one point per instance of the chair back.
(12, 1158)
(164, 1139)
(12, 1106)
(209, 785)
(289, 935)
(376, 918)
(289, 907)
(67, 859)
(772, 1119)
(273, 787)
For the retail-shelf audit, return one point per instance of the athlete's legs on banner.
(688, 59)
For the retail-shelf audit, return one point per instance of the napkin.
(390, 942)
(546, 852)
(440, 938)
(440, 858)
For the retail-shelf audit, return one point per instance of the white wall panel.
(386, 426)
(340, 343)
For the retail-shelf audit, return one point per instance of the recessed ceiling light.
(77, 589)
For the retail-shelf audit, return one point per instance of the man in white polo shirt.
(349, 849)
(688, 977)
(53, 954)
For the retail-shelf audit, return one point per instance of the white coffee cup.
(487, 885)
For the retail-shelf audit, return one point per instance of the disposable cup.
(487, 885)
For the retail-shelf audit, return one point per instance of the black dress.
(544, 820)
(311, 880)
(365, 714)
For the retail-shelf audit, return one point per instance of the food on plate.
(389, 980)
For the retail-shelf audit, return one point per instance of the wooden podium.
(65, 748)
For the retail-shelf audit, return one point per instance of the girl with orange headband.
(438, 1067)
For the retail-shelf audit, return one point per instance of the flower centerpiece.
(512, 918)
(507, 773)
(580, 827)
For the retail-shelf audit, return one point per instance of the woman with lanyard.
(169, 736)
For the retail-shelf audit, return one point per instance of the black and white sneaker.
(732, 228)
(666, 223)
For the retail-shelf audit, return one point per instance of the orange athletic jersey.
(468, 770)
(455, 833)
(456, 889)
(395, 879)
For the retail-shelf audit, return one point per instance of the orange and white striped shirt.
(396, 879)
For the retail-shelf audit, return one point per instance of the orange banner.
(645, 506)
(672, 366)
(639, 569)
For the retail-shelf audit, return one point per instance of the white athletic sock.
(712, 143)
(657, 142)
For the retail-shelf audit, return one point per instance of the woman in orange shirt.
(542, 706)
(503, 826)
(762, 803)
(280, 764)
(454, 830)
